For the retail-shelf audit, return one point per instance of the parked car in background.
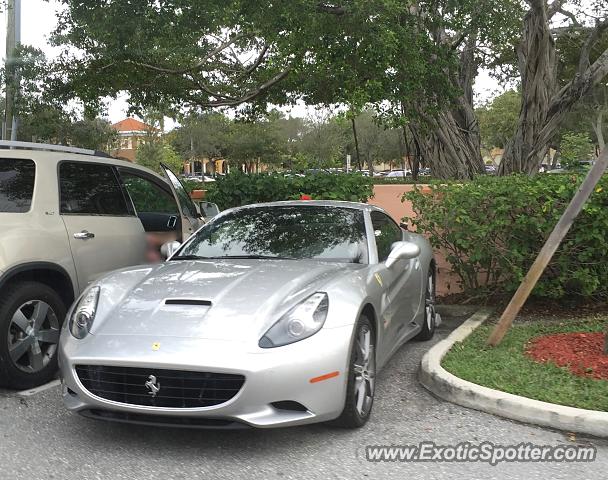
(69, 216)
(204, 178)
(271, 315)
(398, 174)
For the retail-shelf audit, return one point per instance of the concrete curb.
(456, 390)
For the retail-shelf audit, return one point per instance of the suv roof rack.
(51, 148)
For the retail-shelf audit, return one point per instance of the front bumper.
(271, 375)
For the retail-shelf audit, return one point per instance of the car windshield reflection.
(284, 232)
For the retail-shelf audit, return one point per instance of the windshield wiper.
(231, 257)
(254, 257)
(189, 257)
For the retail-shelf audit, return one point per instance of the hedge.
(236, 189)
(492, 228)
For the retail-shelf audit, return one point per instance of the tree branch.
(257, 62)
(593, 37)
(555, 7)
(571, 16)
(197, 66)
(247, 97)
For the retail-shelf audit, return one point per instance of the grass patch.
(508, 369)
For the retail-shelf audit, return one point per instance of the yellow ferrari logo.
(155, 347)
(378, 278)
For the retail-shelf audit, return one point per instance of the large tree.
(202, 137)
(45, 119)
(200, 54)
(545, 103)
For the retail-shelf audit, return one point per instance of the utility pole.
(13, 39)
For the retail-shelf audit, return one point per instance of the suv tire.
(31, 315)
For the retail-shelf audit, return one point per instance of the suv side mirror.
(208, 209)
(401, 251)
(169, 248)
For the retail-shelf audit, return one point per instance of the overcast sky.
(38, 18)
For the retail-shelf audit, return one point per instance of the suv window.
(16, 184)
(147, 196)
(91, 189)
(386, 232)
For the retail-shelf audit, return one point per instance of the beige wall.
(389, 198)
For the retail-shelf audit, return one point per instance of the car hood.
(222, 300)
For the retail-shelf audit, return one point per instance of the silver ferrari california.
(270, 315)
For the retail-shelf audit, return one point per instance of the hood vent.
(187, 301)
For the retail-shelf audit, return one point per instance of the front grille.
(176, 388)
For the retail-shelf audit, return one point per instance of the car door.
(156, 207)
(191, 219)
(401, 280)
(103, 231)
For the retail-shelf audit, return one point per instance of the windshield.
(292, 232)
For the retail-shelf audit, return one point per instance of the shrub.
(238, 189)
(575, 147)
(492, 228)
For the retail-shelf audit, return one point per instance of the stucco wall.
(389, 198)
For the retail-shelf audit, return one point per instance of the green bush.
(492, 228)
(236, 189)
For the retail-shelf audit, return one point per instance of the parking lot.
(40, 440)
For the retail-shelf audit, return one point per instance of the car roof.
(56, 157)
(315, 203)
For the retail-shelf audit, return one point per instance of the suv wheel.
(31, 315)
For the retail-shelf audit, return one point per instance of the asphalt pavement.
(40, 440)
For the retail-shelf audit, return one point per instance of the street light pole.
(13, 39)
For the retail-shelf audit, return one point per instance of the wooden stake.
(549, 248)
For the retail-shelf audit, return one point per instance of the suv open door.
(191, 219)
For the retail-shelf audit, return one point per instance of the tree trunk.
(451, 149)
(450, 142)
(354, 124)
(538, 68)
(543, 108)
(598, 128)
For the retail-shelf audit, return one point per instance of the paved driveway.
(39, 440)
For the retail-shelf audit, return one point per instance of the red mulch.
(582, 353)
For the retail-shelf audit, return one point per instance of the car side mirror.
(169, 248)
(402, 251)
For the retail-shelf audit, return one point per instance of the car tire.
(31, 315)
(361, 375)
(430, 315)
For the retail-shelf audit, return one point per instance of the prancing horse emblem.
(153, 386)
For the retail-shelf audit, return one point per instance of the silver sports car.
(270, 315)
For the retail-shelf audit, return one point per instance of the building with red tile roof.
(131, 132)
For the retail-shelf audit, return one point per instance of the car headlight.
(83, 314)
(302, 321)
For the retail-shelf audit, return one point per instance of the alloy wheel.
(33, 335)
(430, 303)
(365, 371)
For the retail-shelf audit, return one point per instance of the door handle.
(84, 235)
(172, 222)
